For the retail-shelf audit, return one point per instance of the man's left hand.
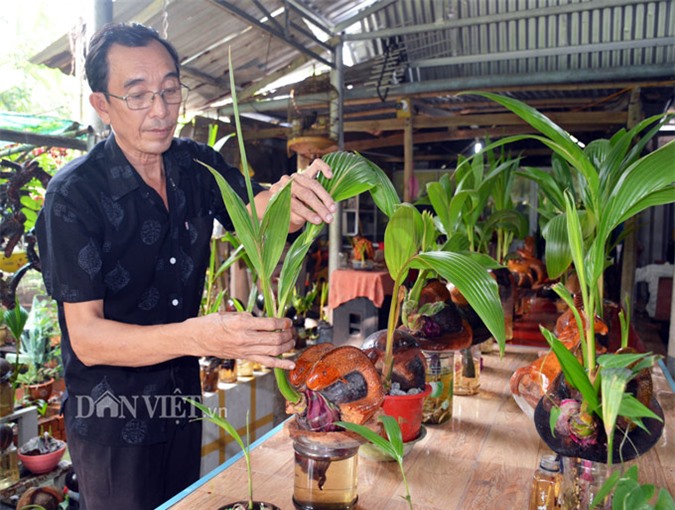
(310, 202)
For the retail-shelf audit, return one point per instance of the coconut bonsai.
(263, 235)
(616, 183)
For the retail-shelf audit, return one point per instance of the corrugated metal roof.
(565, 55)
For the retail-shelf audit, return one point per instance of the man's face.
(141, 134)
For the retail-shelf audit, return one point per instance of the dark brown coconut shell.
(410, 365)
(454, 341)
(639, 441)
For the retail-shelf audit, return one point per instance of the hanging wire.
(165, 19)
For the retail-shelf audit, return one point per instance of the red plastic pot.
(407, 409)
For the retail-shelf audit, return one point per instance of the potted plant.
(362, 252)
(410, 237)
(593, 399)
(215, 418)
(39, 351)
(41, 454)
(263, 236)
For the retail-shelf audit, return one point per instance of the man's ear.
(100, 103)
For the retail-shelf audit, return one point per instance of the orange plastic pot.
(407, 409)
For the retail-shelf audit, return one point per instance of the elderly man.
(124, 242)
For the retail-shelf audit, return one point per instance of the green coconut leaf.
(375, 439)
(613, 386)
(393, 431)
(558, 137)
(383, 192)
(274, 228)
(474, 282)
(558, 253)
(240, 217)
(403, 239)
(654, 199)
(392, 446)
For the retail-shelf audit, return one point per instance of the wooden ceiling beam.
(499, 119)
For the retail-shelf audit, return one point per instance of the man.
(124, 243)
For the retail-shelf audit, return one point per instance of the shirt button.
(174, 302)
(172, 260)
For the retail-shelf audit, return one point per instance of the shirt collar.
(123, 178)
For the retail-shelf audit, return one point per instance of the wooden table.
(483, 458)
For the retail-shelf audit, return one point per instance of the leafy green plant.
(42, 359)
(323, 299)
(15, 319)
(410, 238)
(303, 304)
(213, 417)
(614, 184)
(263, 236)
(628, 493)
(392, 445)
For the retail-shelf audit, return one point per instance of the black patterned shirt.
(104, 234)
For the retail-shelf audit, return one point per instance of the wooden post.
(629, 254)
(407, 159)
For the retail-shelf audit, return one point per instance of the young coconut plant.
(263, 234)
(213, 417)
(392, 446)
(616, 183)
(410, 238)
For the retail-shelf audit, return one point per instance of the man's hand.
(310, 202)
(243, 336)
(99, 341)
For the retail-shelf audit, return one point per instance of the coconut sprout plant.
(411, 241)
(392, 446)
(263, 234)
(213, 416)
(615, 182)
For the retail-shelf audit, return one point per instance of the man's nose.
(158, 108)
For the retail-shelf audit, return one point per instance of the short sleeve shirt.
(104, 234)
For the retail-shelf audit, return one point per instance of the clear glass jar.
(244, 368)
(440, 376)
(6, 398)
(545, 492)
(467, 371)
(325, 475)
(581, 481)
(9, 467)
(227, 372)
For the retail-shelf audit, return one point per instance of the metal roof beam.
(609, 75)
(269, 29)
(544, 52)
(207, 78)
(615, 77)
(320, 22)
(363, 14)
(491, 18)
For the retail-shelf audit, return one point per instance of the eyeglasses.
(144, 100)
